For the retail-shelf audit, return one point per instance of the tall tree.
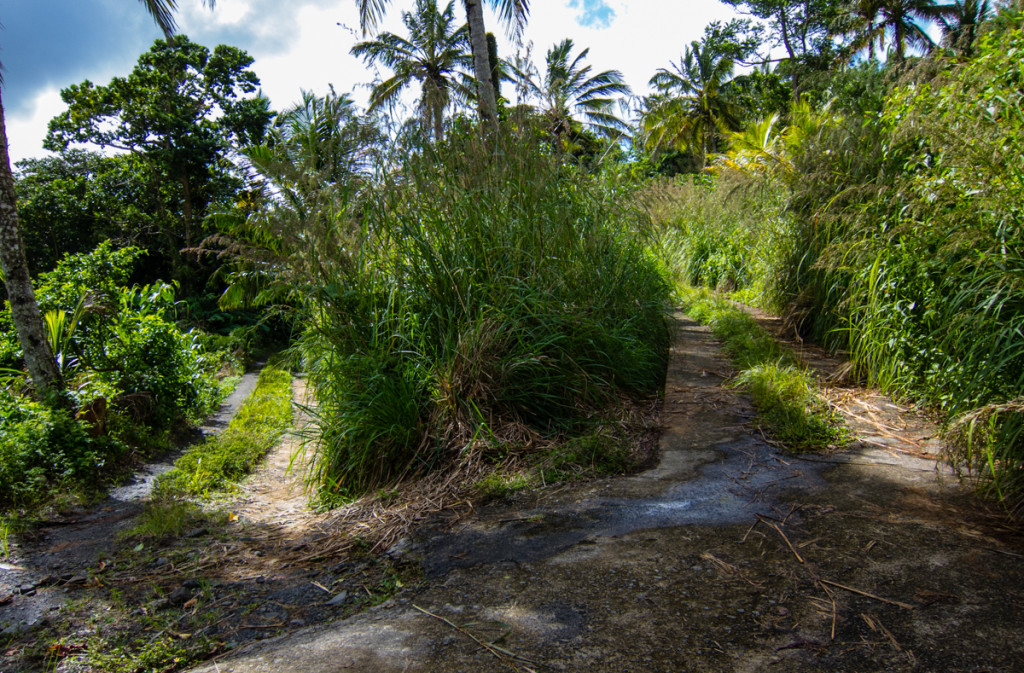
(180, 110)
(691, 109)
(568, 89)
(900, 22)
(71, 202)
(39, 358)
(513, 14)
(961, 24)
(435, 54)
(801, 27)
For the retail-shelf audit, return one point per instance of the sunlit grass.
(785, 393)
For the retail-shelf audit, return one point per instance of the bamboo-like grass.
(905, 226)
(490, 295)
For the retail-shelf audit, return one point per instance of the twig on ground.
(905, 606)
(500, 653)
(784, 538)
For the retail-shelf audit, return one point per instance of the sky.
(47, 45)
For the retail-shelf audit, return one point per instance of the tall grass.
(726, 231)
(905, 224)
(486, 294)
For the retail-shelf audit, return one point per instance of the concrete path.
(727, 556)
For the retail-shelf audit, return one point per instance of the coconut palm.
(315, 159)
(868, 22)
(691, 110)
(434, 54)
(28, 322)
(568, 89)
(961, 22)
(513, 14)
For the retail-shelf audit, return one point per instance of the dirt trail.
(276, 495)
(727, 556)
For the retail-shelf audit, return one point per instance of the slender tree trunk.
(486, 100)
(42, 366)
(784, 23)
(438, 111)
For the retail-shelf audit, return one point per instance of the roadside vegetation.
(879, 215)
(485, 282)
(477, 292)
(785, 392)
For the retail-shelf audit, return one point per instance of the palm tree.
(861, 26)
(870, 21)
(961, 22)
(569, 89)
(312, 165)
(690, 110)
(39, 357)
(513, 13)
(433, 55)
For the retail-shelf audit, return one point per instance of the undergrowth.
(478, 297)
(784, 392)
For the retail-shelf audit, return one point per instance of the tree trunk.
(42, 366)
(486, 101)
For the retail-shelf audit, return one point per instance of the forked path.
(727, 556)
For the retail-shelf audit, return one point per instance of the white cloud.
(300, 45)
(25, 133)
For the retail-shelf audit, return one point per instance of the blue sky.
(46, 45)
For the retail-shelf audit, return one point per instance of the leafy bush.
(40, 447)
(120, 343)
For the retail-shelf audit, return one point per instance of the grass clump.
(219, 462)
(475, 295)
(989, 442)
(593, 454)
(787, 399)
(169, 517)
(497, 485)
(785, 394)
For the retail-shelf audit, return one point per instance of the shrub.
(41, 447)
(482, 284)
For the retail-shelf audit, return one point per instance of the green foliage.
(786, 398)
(899, 241)
(221, 461)
(167, 517)
(593, 453)
(568, 91)
(177, 115)
(68, 204)
(784, 392)
(461, 293)
(728, 232)
(41, 447)
(128, 366)
(692, 106)
(124, 344)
